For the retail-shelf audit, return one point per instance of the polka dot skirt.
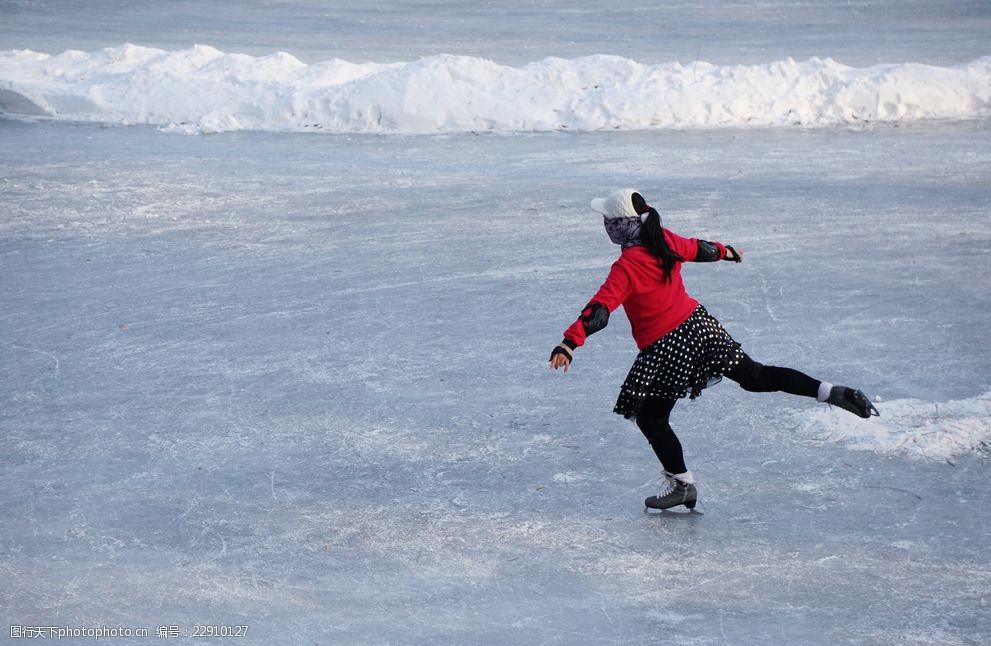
(693, 356)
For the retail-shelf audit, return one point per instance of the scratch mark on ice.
(47, 354)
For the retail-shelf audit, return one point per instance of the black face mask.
(623, 231)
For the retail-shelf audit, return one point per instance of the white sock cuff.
(824, 388)
(685, 477)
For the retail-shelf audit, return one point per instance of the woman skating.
(683, 348)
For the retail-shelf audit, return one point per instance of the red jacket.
(635, 282)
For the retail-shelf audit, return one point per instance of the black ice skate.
(852, 400)
(678, 493)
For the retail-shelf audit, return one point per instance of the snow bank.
(912, 428)
(202, 90)
(205, 90)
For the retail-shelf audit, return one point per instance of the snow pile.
(205, 90)
(912, 428)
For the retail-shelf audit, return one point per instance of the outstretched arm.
(698, 250)
(594, 317)
(712, 251)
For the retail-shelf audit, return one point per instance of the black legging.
(652, 418)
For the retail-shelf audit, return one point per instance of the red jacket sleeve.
(688, 248)
(611, 295)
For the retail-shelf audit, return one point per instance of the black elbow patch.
(707, 252)
(595, 316)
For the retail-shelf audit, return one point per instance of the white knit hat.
(618, 204)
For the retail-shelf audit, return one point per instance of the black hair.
(652, 237)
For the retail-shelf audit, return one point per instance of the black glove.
(733, 254)
(565, 347)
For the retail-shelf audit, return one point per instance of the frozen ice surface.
(299, 382)
(515, 32)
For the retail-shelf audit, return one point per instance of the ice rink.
(298, 381)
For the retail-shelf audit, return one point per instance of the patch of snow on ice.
(912, 428)
(203, 90)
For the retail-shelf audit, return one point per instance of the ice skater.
(683, 348)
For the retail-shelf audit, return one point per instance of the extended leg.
(759, 378)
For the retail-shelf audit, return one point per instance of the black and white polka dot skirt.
(689, 358)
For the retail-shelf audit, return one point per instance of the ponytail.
(652, 237)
